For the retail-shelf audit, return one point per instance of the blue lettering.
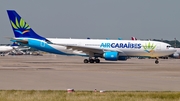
(121, 45)
(108, 45)
(135, 45)
(117, 45)
(125, 45)
(105, 45)
(129, 45)
(139, 46)
(132, 45)
(113, 45)
(102, 45)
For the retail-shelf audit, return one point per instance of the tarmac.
(55, 72)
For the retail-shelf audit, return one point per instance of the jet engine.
(175, 55)
(113, 56)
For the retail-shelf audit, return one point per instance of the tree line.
(173, 43)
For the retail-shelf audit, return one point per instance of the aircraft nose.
(172, 49)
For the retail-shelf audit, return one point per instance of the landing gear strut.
(156, 61)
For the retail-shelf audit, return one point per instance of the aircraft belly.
(162, 53)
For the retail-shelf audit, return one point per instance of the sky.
(97, 19)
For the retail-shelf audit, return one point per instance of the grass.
(50, 95)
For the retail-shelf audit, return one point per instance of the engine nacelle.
(111, 56)
(175, 55)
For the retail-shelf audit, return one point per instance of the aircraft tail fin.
(20, 27)
(133, 38)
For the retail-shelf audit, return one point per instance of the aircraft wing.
(89, 49)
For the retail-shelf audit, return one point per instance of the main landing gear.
(96, 60)
(156, 61)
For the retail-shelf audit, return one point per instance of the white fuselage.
(132, 48)
(6, 48)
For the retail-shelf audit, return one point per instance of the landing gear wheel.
(86, 61)
(97, 60)
(91, 60)
(156, 62)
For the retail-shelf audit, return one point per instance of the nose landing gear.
(156, 61)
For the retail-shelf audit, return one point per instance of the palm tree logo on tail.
(20, 26)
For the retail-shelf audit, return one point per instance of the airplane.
(110, 50)
(175, 54)
(6, 49)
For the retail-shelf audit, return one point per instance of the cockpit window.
(168, 46)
